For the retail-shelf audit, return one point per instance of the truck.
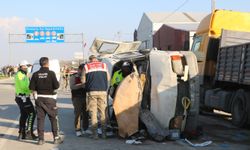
(222, 48)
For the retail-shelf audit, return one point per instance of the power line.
(119, 34)
(178, 8)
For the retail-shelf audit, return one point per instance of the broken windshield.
(113, 47)
(108, 48)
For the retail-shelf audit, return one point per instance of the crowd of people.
(9, 71)
(89, 90)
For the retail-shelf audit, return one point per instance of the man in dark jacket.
(44, 82)
(95, 76)
(78, 93)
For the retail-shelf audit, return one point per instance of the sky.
(93, 18)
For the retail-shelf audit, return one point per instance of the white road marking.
(4, 107)
(8, 133)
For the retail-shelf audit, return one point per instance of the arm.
(32, 85)
(83, 77)
(73, 85)
(107, 71)
(108, 76)
(54, 80)
(113, 81)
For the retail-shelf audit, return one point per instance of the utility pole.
(119, 35)
(83, 48)
(212, 5)
(10, 53)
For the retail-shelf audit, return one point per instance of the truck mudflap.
(248, 107)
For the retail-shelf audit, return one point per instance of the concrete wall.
(147, 29)
(144, 32)
(169, 38)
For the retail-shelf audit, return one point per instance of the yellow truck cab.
(207, 44)
(206, 41)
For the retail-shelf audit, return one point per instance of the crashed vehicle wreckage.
(161, 94)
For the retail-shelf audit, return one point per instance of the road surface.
(220, 131)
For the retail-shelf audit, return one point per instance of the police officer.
(118, 76)
(44, 82)
(25, 105)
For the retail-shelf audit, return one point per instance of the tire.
(239, 109)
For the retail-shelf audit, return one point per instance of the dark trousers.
(28, 114)
(46, 106)
(81, 114)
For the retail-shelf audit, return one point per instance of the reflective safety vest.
(96, 76)
(22, 83)
(117, 78)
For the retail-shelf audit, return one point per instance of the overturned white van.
(161, 82)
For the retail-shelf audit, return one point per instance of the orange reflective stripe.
(176, 57)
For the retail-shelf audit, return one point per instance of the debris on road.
(198, 144)
(133, 142)
(155, 130)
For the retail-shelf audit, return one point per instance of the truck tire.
(247, 93)
(239, 109)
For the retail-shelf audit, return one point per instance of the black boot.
(21, 135)
(40, 142)
(95, 134)
(30, 136)
(34, 136)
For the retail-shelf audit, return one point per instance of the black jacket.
(44, 82)
(76, 86)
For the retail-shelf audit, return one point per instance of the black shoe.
(104, 134)
(21, 136)
(94, 136)
(34, 136)
(40, 142)
(30, 136)
(58, 140)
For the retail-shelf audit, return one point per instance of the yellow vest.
(22, 83)
(117, 78)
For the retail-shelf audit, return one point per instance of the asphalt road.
(223, 135)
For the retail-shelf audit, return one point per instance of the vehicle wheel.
(238, 109)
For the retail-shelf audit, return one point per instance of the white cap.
(24, 63)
